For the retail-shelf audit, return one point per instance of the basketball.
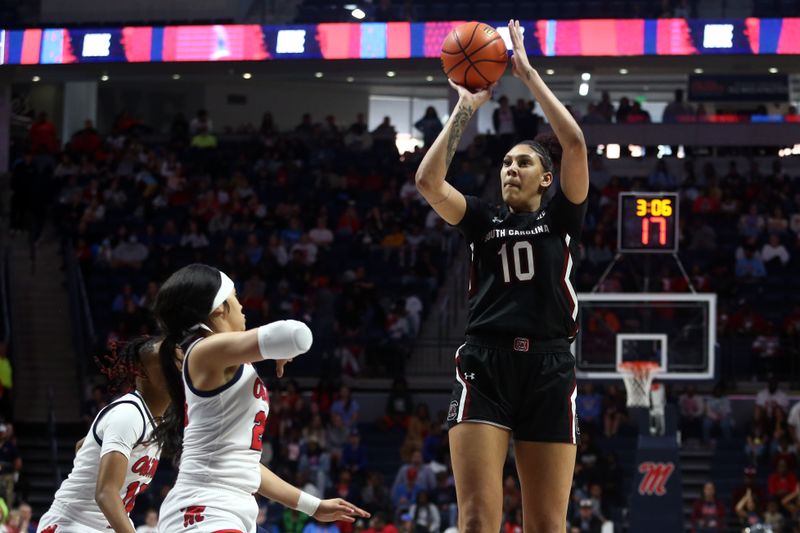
(474, 55)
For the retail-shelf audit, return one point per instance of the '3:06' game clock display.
(648, 222)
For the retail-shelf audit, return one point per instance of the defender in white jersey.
(219, 408)
(118, 458)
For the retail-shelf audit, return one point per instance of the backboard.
(676, 331)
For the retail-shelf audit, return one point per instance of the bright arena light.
(318, 74)
(583, 90)
(35, 79)
(247, 75)
(586, 76)
(612, 151)
(104, 77)
(358, 13)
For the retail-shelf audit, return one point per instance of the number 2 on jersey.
(521, 272)
(260, 424)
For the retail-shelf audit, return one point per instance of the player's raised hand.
(338, 510)
(519, 61)
(474, 99)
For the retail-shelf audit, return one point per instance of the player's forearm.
(111, 505)
(563, 123)
(433, 168)
(276, 489)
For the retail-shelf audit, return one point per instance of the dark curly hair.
(123, 366)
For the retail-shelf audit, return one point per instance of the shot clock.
(648, 222)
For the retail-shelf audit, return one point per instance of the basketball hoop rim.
(639, 366)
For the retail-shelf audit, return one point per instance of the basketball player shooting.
(515, 375)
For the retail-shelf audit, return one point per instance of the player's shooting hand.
(338, 510)
(473, 99)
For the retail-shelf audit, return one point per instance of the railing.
(83, 332)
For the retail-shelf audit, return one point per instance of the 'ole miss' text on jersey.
(521, 272)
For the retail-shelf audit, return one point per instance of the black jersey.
(521, 272)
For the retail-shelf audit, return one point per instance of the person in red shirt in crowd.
(43, 135)
(86, 141)
(378, 524)
(782, 481)
(708, 513)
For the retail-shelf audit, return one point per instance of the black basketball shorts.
(519, 384)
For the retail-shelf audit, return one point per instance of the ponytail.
(183, 301)
(169, 433)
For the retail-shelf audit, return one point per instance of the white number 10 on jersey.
(521, 273)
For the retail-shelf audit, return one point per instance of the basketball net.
(638, 377)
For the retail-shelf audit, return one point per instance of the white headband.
(225, 289)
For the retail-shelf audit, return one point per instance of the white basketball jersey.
(223, 430)
(125, 425)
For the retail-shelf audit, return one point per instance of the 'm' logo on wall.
(654, 478)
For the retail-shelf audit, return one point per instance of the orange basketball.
(474, 55)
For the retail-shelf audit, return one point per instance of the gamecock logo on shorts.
(193, 515)
(654, 478)
(50, 529)
(453, 412)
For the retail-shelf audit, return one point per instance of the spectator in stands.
(661, 179)
(590, 408)
(586, 521)
(503, 122)
(771, 398)
(691, 408)
(708, 513)
(129, 253)
(346, 407)
(86, 141)
(750, 267)
(774, 254)
(704, 238)
(773, 517)
(354, 456)
(747, 511)
(752, 224)
(398, 405)
(604, 107)
(677, 109)
(638, 115)
(717, 414)
(10, 462)
(150, 522)
(777, 222)
(379, 524)
(425, 515)
(757, 438)
(526, 121)
(444, 497)
(203, 139)
(782, 481)
(201, 123)
(750, 484)
(614, 410)
(406, 492)
(423, 475)
(430, 125)
(623, 110)
(374, 494)
(419, 426)
(43, 139)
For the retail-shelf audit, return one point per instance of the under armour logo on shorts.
(521, 344)
(193, 515)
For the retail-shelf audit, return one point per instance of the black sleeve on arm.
(477, 219)
(566, 216)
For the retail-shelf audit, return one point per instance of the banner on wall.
(392, 40)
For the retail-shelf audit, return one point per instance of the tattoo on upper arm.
(459, 125)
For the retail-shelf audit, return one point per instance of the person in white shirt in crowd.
(321, 235)
(774, 252)
(717, 414)
(150, 522)
(771, 398)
